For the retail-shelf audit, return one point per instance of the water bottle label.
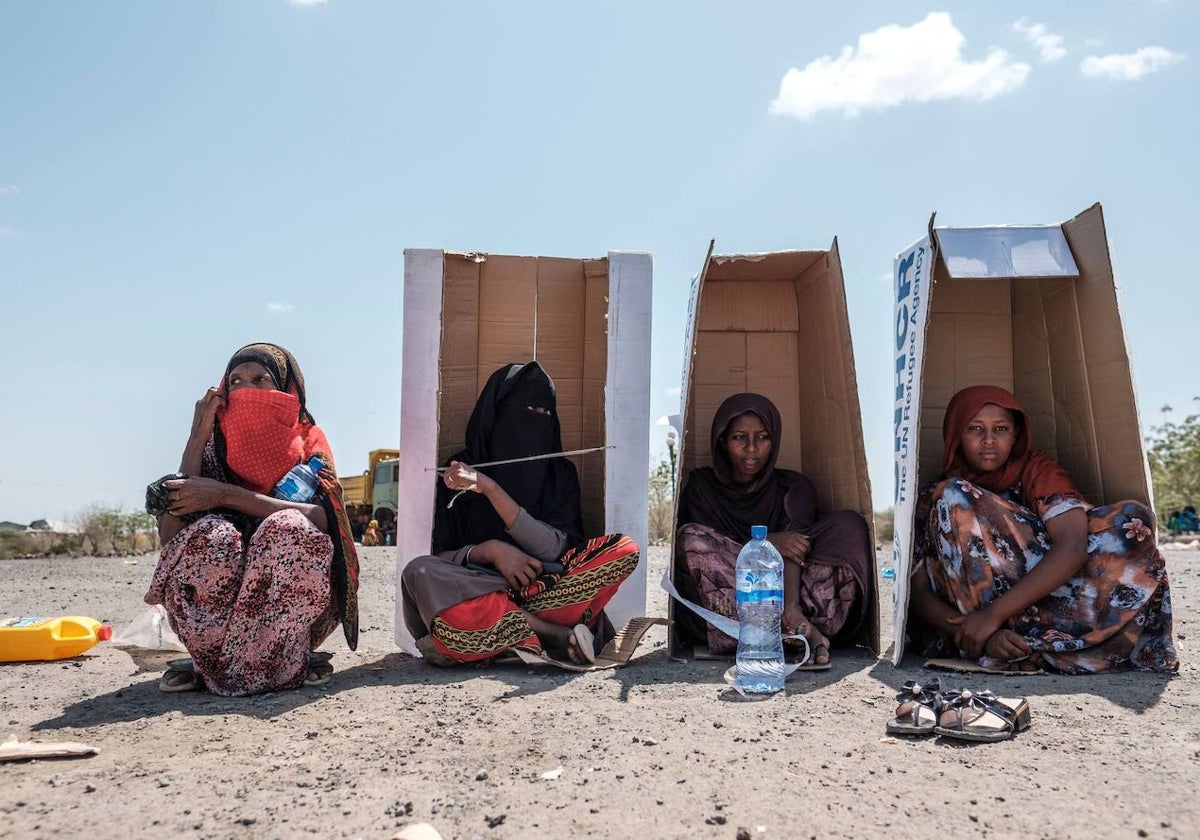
(760, 596)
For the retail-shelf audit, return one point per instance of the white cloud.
(1127, 67)
(8, 232)
(673, 392)
(308, 2)
(10, 189)
(897, 64)
(279, 308)
(1050, 47)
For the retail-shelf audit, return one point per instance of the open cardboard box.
(776, 324)
(1029, 308)
(587, 321)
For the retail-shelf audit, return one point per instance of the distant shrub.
(885, 525)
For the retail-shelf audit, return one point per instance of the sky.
(177, 180)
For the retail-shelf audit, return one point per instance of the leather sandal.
(180, 676)
(319, 670)
(917, 713)
(981, 716)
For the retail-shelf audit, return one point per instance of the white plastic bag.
(151, 629)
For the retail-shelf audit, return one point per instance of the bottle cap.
(758, 532)
(104, 633)
(316, 464)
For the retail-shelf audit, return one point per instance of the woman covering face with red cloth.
(253, 583)
(1013, 567)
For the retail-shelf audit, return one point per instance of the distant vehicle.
(377, 489)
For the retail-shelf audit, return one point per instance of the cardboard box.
(587, 322)
(776, 324)
(1029, 308)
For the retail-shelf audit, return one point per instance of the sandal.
(981, 716)
(180, 676)
(917, 713)
(319, 670)
(585, 640)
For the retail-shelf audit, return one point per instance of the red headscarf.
(262, 434)
(1039, 475)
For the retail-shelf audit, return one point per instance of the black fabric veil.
(504, 425)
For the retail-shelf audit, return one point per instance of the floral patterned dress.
(1114, 613)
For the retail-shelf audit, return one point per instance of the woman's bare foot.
(795, 621)
(558, 641)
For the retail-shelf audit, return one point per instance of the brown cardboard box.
(776, 324)
(587, 321)
(1029, 308)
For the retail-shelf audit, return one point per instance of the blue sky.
(177, 180)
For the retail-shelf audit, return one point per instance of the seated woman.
(511, 568)
(253, 584)
(1013, 567)
(827, 560)
(371, 535)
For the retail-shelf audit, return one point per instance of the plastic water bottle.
(300, 484)
(760, 667)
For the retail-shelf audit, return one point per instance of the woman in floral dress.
(1013, 567)
(253, 584)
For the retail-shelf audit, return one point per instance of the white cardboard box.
(1032, 309)
(587, 321)
(776, 324)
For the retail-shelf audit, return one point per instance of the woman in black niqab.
(516, 416)
(511, 567)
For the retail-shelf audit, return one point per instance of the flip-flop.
(586, 641)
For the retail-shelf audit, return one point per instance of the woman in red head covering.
(253, 583)
(1012, 566)
(827, 559)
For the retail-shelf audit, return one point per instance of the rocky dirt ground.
(657, 749)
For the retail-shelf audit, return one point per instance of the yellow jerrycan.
(34, 639)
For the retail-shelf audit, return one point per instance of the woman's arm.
(199, 495)
(930, 608)
(203, 419)
(460, 476)
(1067, 555)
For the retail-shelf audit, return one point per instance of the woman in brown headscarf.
(826, 580)
(1014, 567)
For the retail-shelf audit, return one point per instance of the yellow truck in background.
(377, 490)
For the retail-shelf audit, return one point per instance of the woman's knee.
(211, 534)
(285, 523)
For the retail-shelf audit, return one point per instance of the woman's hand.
(1006, 645)
(194, 495)
(460, 476)
(518, 568)
(206, 414)
(974, 630)
(791, 545)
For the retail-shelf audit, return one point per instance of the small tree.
(1173, 450)
(662, 499)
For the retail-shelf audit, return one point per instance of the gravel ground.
(657, 749)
